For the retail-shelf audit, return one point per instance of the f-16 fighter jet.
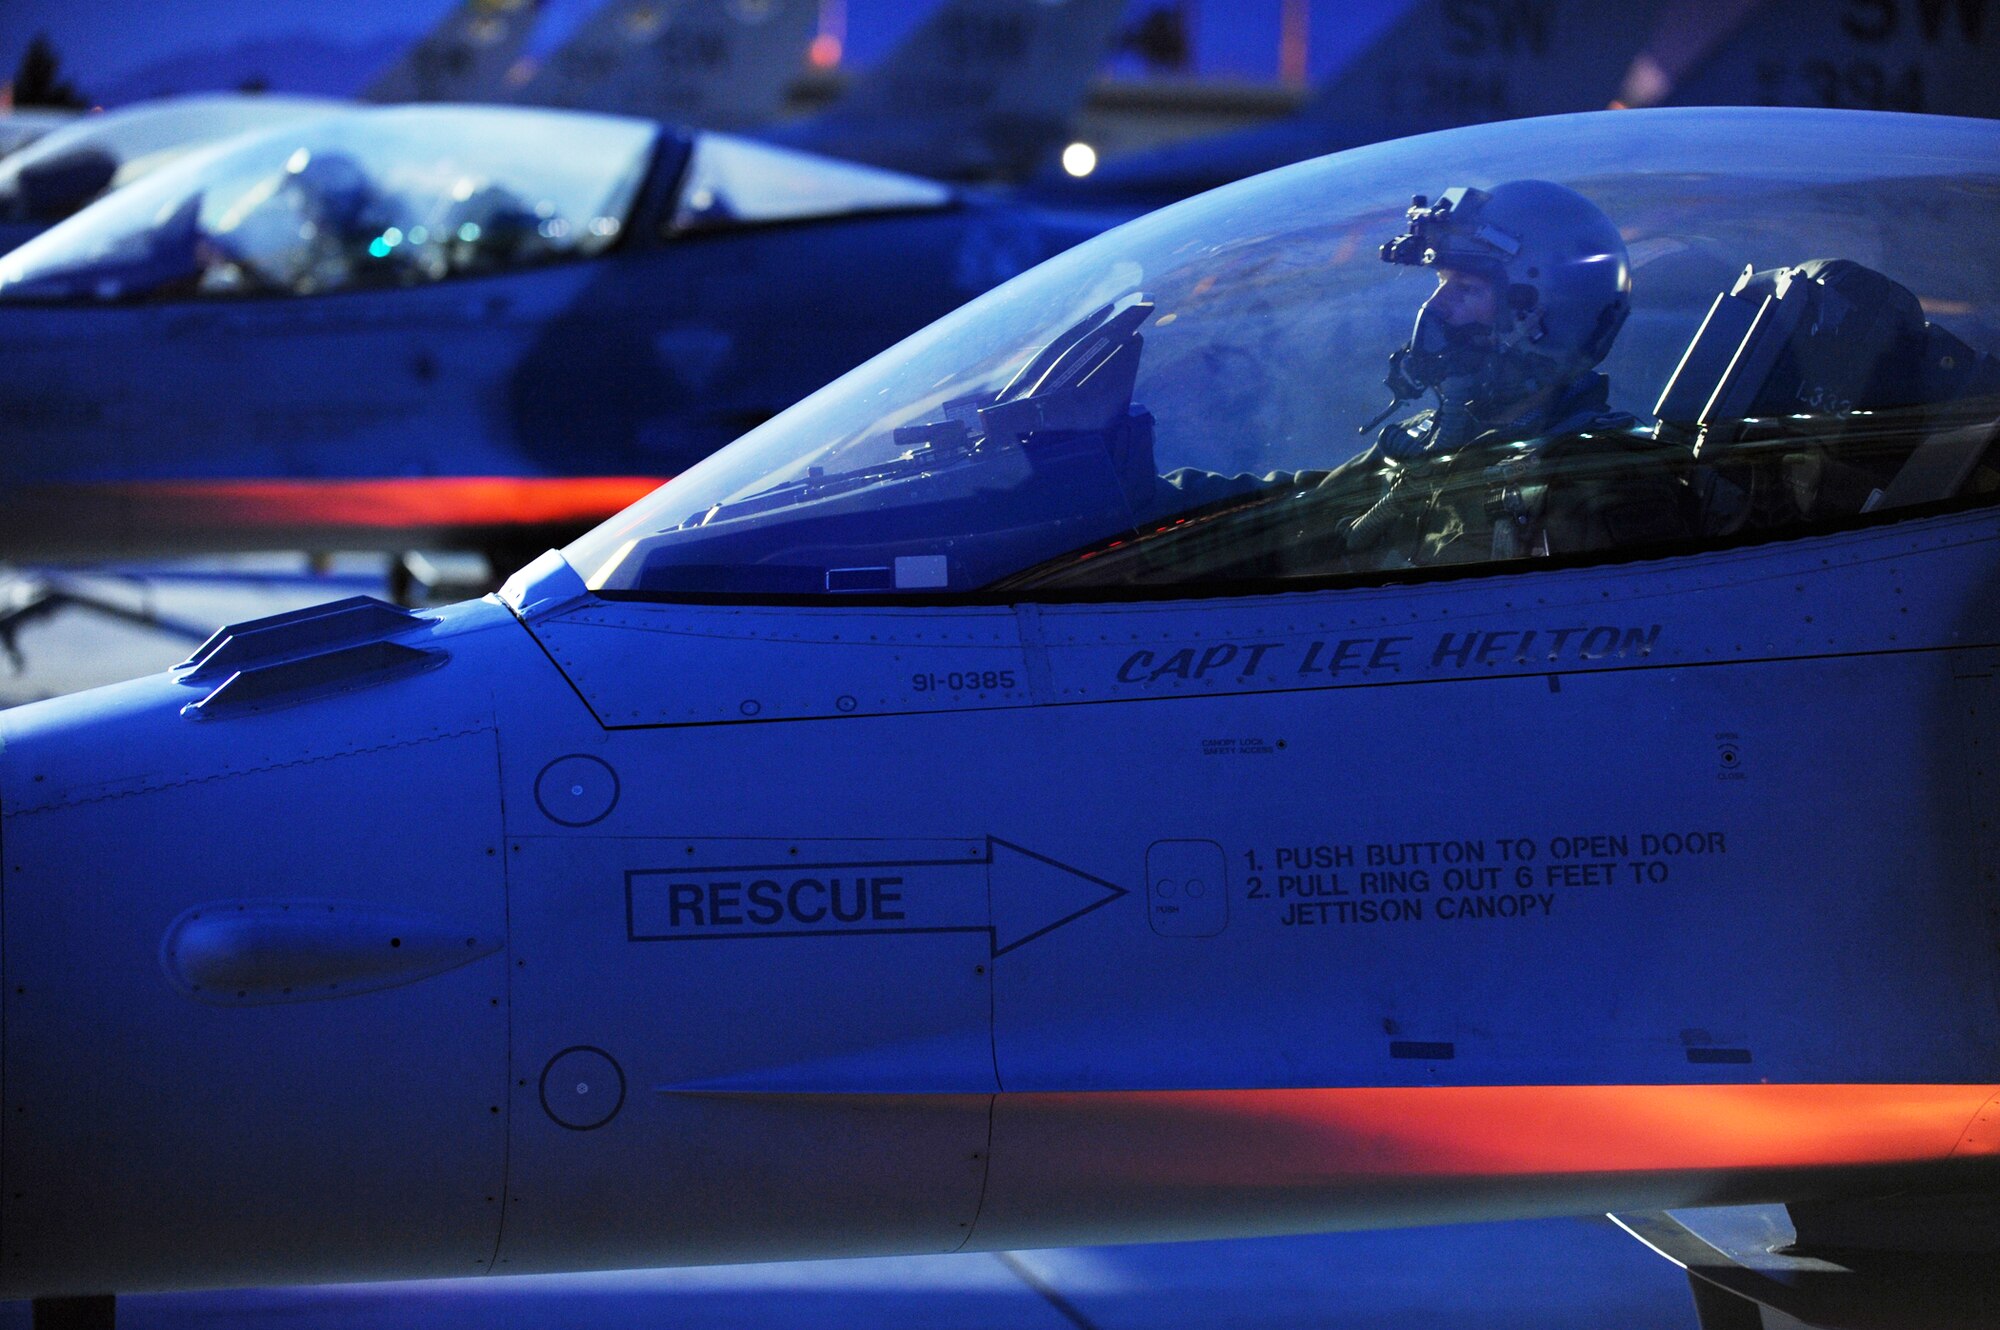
(1096, 773)
(467, 327)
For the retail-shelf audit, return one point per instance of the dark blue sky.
(103, 44)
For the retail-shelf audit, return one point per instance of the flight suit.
(1574, 478)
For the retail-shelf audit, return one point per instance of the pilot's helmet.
(1561, 277)
(337, 185)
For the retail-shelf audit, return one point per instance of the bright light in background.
(831, 43)
(1079, 159)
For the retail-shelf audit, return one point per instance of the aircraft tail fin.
(716, 66)
(1685, 37)
(980, 88)
(1936, 57)
(1446, 63)
(466, 58)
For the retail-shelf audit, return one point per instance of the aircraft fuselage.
(557, 931)
(505, 411)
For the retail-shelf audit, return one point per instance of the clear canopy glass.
(362, 199)
(1172, 403)
(137, 140)
(19, 128)
(731, 181)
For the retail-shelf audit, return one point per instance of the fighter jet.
(466, 58)
(710, 66)
(982, 90)
(1443, 63)
(715, 891)
(451, 327)
(1895, 56)
(1455, 63)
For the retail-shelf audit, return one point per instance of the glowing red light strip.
(1500, 1131)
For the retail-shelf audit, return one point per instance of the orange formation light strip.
(1220, 1137)
(382, 503)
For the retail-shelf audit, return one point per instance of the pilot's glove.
(1405, 439)
(1441, 429)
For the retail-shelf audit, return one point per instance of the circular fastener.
(582, 1088)
(751, 706)
(577, 790)
(845, 703)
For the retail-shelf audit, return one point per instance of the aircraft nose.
(231, 894)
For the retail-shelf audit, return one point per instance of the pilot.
(305, 230)
(1519, 452)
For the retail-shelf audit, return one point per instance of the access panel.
(728, 1048)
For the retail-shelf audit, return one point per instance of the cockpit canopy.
(358, 200)
(64, 169)
(731, 181)
(1184, 402)
(372, 199)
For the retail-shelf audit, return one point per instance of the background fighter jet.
(1881, 55)
(467, 326)
(1443, 63)
(466, 58)
(708, 66)
(1465, 61)
(703, 897)
(982, 90)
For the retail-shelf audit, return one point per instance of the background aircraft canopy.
(1023, 439)
(360, 199)
(731, 181)
(65, 168)
(22, 126)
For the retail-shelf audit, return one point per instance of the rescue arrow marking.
(1011, 894)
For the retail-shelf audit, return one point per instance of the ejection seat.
(1819, 392)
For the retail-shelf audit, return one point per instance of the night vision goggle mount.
(1451, 234)
(1447, 234)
